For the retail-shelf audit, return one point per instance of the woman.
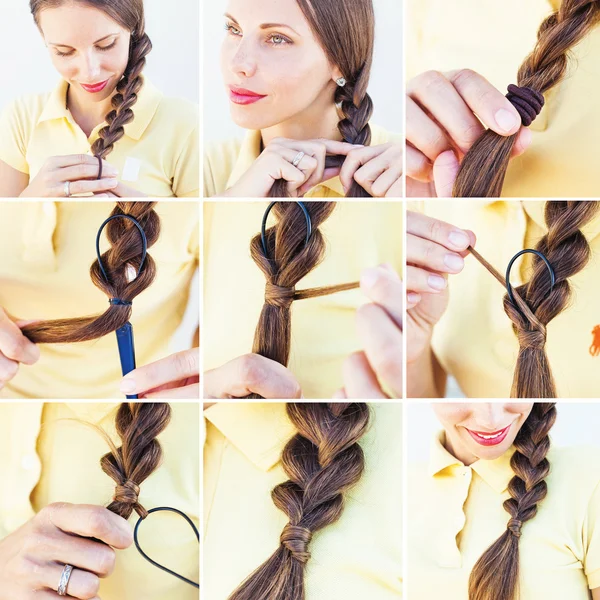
(52, 505)
(47, 249)
(105, 130)
(460, 320)
(344, 538)
(459, 65)
(500, 512)
(347, 343)
(297, 75)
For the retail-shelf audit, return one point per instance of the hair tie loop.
(263, 235)
(119, 302)
(527, 101)
(509, 288)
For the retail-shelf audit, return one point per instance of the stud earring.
(341, 82)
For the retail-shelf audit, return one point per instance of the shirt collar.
(144, 109)
(496, 473)
(259, 430)
(251, 148)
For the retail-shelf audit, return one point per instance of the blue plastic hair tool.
(125, 333)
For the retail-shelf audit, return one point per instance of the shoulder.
(575, 468)
(380, 135)
(179, 111)
(219, 160)
(26, 108)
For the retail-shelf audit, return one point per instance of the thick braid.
(127, 94)
(121, 262)
(568, 251)
(495, 576)
(140, 454)
(289, 258)
(322, 461)
(483, 168)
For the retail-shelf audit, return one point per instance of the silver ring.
(64, 580)
(298, 158)
(67, 189)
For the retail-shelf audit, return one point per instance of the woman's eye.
(109, 47)
(279, 40)
(69, 53)
(232, 29)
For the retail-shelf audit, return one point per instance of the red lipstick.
(95, 88)
(242, 96)
(490, 438)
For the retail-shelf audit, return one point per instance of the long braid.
(322, 462)
(140, 454)
(483, 168)
(495, 576)
(127, 94)
(124, 255)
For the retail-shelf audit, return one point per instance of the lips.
(243, 96)
(490, 438)
(94, 88)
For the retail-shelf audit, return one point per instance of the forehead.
(253, 13)
(76, 24)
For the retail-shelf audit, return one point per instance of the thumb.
(445, 170)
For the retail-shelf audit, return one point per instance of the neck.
(319, 120)
(86, 114)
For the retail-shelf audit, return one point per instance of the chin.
(250, 117)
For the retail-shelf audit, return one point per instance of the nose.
(90, 68)
(243, 62)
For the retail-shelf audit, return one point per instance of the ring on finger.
(298, 158)
(64, 580)
(67, 189)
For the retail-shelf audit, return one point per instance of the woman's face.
(87, 47)
(481, 431)
(273, 66)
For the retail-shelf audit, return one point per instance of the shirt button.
(29, 462)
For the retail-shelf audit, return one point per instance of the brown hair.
(495, 576)
(346, 32)
(483, 168)
(289, 258)
(322, 462)
(125, 252)
(140, 454)
(130, 15)
(568, 252)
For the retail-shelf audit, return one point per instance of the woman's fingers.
(176, 367)
(440, 232)
(13, 344)
(418, 166)
(82, 584)
(87, 170)
(251, 374)
(360, 381)
(187, 392)
(356, 159)
(433, 256)
(8, 370)
(383, 286)
(423, 132)
(89, 186)
(445, 171)
(420, 280)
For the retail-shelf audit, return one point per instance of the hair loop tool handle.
(126, 351)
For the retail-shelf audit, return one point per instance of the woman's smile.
(244, 96)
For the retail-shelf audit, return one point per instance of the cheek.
(450, 415)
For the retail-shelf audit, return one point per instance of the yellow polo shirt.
(474, 340)
(455, 513)
(158, 155)
(225, 162)
(472, 34)
(357, 235)
(46, 249)
(39, 467)
(355, 558)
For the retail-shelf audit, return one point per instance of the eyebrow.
(96, 42)
(266, 25)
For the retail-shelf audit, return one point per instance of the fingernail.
(454, 262)
(111, 171)
(506, 120)
(459, 239)
(127, 386)
(525, 138)
(387, 267)
(112, 182)
(369, 277)
(412, 298)
(436, 282)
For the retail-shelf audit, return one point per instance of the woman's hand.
(434, 250)
(445, 114)
(80, 170)
(83, 536)
(277, 162)
(15, 348)
(251, 374)
(121, 191)
(176, 376)
(378, 169)
(380, 331)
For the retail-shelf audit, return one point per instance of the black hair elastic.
(99, 168)
(153, 562)
(509, 288)
(263, 236)
(142, 234)
(119, 302)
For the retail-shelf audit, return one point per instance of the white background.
(576, 425)
(386, 86)
(173, 65)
